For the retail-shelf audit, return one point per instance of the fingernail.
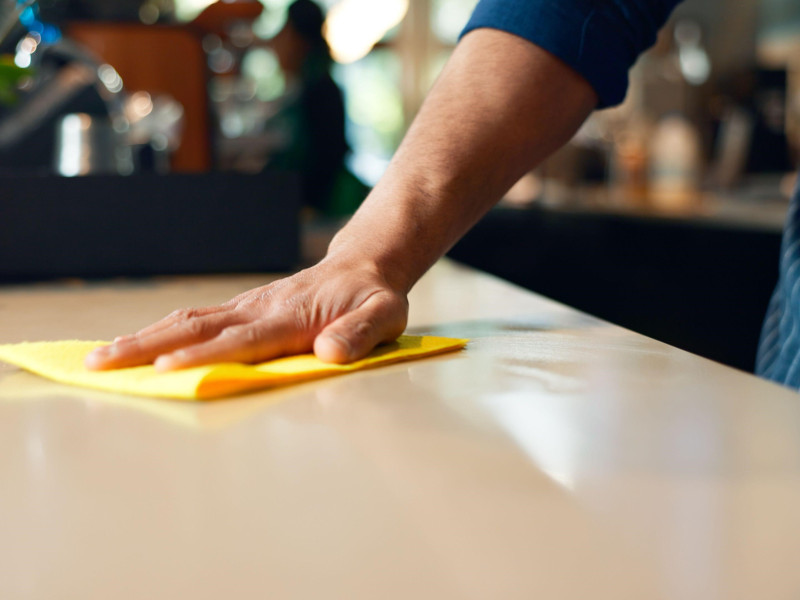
(168, 362)
(97, 357)
(103, 351)
(163, 363)
(122, 338)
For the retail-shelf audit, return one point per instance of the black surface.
(105, 226)
(699, 286)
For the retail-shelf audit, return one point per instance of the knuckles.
(363, 330)
(183, 314)
(195, 327)
(299, 307)
(246, 335)
(230, 332)
(251, 336)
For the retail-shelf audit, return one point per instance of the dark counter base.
(106, 226)
(701, 287)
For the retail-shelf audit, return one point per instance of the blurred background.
(194, 85)
(271, 119)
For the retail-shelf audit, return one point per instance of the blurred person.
(310, 125)
(523, 77)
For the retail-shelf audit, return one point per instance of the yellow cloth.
(63, 362)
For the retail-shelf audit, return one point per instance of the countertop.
(558, 456)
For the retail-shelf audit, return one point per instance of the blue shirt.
(600, 39)
(779, 350)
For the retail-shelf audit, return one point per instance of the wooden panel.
(159, 59)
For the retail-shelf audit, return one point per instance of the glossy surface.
(557, 457)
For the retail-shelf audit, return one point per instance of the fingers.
(152, 342)
(248, 343)
(267, 327)
(178, 316)
(382, 318)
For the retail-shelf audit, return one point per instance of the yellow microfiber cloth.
(63, 362)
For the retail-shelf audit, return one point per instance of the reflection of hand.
(341, 311)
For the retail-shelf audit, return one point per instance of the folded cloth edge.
(216, 380)
(209, 387)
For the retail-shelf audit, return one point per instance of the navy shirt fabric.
(779, 350)
(600, 39)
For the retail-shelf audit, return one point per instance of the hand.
(341, 311)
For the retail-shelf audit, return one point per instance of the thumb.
(352, 336)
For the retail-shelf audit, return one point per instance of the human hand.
(340, 310)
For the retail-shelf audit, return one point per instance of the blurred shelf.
(108, 226)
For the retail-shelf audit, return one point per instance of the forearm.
(499, 108)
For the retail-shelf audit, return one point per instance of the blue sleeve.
(600, 39)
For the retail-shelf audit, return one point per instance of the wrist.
(372, 258)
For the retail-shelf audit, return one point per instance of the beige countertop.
(557, 457)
